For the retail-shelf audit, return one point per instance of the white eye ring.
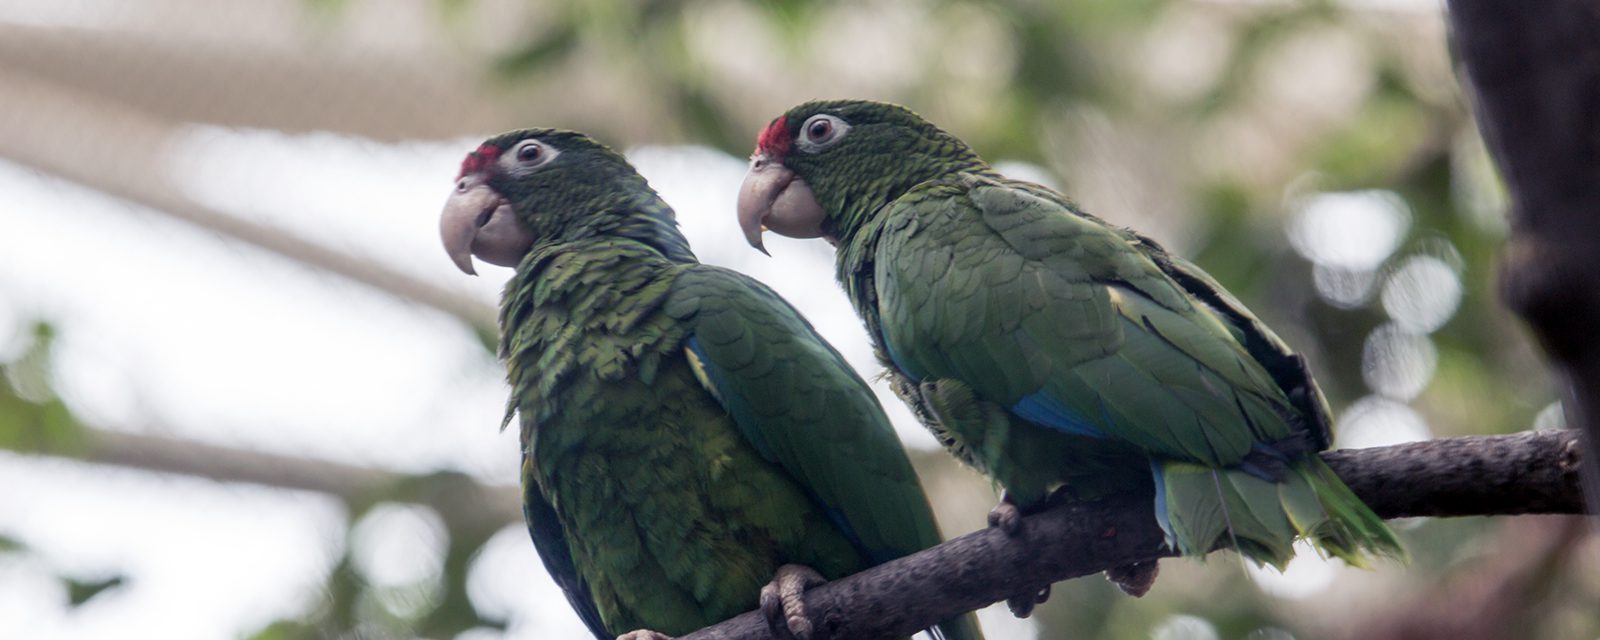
(822, 131)
(528, 154)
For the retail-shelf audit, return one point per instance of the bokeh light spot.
(1376, 421)
(1422, 294)
(1306, 575)
(1343, 288)
(397, 545)
(498, 575)
(506, 582)
(1398, 363)
(1184, 627)
(1352, 230)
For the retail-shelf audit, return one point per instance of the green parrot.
(686, 435)
(1053, 351)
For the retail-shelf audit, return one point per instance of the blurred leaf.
(325, 7)
(1255, 40)
(82, 591)
(1382, 139)
(546, 50)
(32, 418)
(1231, 253)
(792, 17)
(707, 122)
(10, 545)
(656, 12)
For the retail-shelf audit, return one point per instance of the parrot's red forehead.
(774, 139)
(479, 160)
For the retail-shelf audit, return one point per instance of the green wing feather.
(1092, 321)
(801, 405)
(1287, 368)
(1090, 329)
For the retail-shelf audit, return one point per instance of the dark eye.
(530, 152)
(820, 131)
(526, 156)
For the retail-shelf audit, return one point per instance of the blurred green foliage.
(34, 419)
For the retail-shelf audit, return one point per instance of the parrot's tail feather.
(1222, 500)
(1351, 527)
(1208, 508)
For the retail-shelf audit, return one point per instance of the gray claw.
(644, 634)
(783, 601)
(1022, 606)
(1135, 579)
(1006, 516)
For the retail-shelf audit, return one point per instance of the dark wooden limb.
(1525, 473)
(1533, 472)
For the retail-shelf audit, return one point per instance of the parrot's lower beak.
(477, 221)
(773, 197)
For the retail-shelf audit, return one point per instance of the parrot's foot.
(1022, 606)
(1006, 516)
(644, 634)
(783, 601)
(1135, 579)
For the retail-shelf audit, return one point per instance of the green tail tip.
(1261, 519)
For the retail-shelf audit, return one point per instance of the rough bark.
(1534, 74)
(1534, 472)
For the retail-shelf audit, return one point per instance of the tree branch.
(460, 500)
(63, 133)
(1535, 79)
(1533, 472)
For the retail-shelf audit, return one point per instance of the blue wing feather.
(1162, 518)
(1042, 409)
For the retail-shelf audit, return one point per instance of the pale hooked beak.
(477, 221)
(773, 197)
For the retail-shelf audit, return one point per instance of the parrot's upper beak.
(477, 221)
(773, 197)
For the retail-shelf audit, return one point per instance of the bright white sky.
(165, 328)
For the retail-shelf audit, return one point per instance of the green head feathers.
(540, 187)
